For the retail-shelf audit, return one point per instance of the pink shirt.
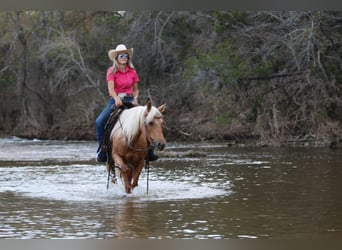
(123, 81)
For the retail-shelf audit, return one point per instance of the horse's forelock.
(153, 112)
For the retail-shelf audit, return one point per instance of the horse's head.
(154, 125)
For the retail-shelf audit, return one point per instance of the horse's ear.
(161, 108)
(148, 100)
(149, 106)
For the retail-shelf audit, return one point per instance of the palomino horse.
(136, 130)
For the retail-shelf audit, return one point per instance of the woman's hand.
(118, 101)
(135, 101)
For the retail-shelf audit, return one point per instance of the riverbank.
(334, 142)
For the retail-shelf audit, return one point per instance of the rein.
(140, 149)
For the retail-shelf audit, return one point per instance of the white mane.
(130, 121)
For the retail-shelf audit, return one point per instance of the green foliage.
(192, 66)
(107, 18)
(226, 20)
(224, 62)
(182, 32)
(224, 119)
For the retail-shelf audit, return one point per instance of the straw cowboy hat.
(120, 49)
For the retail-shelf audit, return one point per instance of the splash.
(88, 183)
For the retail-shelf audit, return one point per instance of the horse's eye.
(151, 123)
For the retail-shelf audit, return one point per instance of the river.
(55, 189)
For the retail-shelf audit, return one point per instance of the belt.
(123, 95)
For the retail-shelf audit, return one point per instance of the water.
(54, 189)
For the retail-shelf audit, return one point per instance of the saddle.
(106, 146)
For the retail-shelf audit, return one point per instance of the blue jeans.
(101, 121)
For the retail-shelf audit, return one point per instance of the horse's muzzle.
(161, 146)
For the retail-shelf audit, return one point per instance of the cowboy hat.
(120, 49)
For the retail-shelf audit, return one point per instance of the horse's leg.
(128, 177)
(137, 172)
(119, 161)
(125, 171)
(129, 180)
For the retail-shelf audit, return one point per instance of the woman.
(122, 80)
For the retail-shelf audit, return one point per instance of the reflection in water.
(130, 221)
(53, 189)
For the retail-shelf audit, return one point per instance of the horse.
(136, 130)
